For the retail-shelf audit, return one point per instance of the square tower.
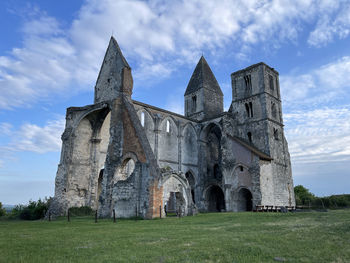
(256, 105)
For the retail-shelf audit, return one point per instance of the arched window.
(273, 110)
(167, 126)
(275, 134)
(247, 109)
(194, 103)
(251, 109)
(248, 83)
(128, 168)
(271, 82)
(143, 119)
(249, 134)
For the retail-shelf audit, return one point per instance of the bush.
(33, 211)
(81, 211)
(2, 210)
(303, 195)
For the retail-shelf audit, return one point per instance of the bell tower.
(256, 105)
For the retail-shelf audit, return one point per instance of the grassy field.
(217, 237)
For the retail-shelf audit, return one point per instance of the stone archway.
(192, 183)
(215, 199)
(245, 200)
(99, 185)
(176, 194)
(176, 204)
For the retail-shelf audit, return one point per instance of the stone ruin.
(136, 159)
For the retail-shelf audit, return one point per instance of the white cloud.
(5, 128)
(34, 138)
(156, 37)
(335, 22)
(324, 84)
(321, 135)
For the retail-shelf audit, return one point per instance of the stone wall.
(233, 160)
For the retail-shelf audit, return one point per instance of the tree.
(2, 210)
(303, 195)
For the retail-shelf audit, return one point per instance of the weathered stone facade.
(139, 160)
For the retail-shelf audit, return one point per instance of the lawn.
(216, 237)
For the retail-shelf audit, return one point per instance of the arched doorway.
(175, 204)
(211, 155)
(245, 202)
(191, 182)
(215, 199)
(99, 186)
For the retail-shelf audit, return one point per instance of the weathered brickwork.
(140, 160)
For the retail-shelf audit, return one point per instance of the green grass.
(216, 237)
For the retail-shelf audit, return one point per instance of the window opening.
(275, 134)
(251, 109)
(128, 168)
(194, 103)
(248, 82)
(249, 134)
(168, 126)
(273, 110)
(271, 82)
(143, 119)
(247, 109)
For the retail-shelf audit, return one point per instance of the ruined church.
(126, 156)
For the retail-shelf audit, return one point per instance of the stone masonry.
(140, 160)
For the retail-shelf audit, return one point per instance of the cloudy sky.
(51, 52)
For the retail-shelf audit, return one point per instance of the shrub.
(303, 195)
(33, 211)
(2, 210)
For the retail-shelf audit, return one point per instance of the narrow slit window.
(251, 109)
(247, 109)
(275, 134)
(143, 119)
(271, 82)
(168, 126)
(273, 110)
(249, 134)
(194, 103)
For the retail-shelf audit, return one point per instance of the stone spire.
(115, 75)
(203, 77)
(203, 96)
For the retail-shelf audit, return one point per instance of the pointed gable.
(203, 77)
(110, 79)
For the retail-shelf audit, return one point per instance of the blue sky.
(51, 52)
